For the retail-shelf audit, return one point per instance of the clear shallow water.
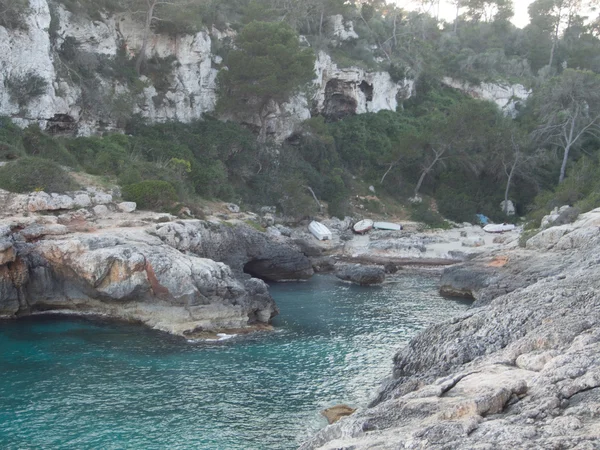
(72, 383)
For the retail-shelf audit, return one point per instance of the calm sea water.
(73, 383)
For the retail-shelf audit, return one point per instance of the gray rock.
(233, 208)
(41, 201)
(82, 201)
(363, 275)
(242, 248)
(131, 275)
(100, 210)
(101, 198)
(127, 207)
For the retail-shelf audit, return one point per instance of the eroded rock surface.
(519, 370)
(163, 279)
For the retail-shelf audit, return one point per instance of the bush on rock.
(30, 174)
(151, 194)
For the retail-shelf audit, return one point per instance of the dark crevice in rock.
(339, 101)
(367, 89)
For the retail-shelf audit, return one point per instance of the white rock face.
(100, 198)
(341, 29)
(127, 207)
(193, 88)
(370, 91)
(82, 200)
(40, 201)
(100, 210)
(506, 96)
(510, 209)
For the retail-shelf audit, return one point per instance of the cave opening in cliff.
(339, 101)
(258, 268)
(366, 89)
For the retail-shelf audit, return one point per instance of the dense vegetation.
(460, 154)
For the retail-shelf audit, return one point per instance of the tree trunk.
(563, 167)
(456, 18)
(388, 171)
(510, 175)
(321, 24)
(420, 182)
(142, 55)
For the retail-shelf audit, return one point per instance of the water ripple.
(72, 383)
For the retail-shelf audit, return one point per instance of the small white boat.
(387, 226)
(363, 226)
(320, 231)
(499, 227)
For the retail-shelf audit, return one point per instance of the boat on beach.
(320, 231)
(363, 226)
(387, 226)
(499, 227)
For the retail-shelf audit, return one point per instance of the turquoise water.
(74, 383)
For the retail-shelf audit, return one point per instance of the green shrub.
(526, 235)
(29, 174)
(151, 194)
(13, 14)
(23, 89)
(39, 144)
(421, 212)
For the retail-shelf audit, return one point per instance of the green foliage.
(151, 194)
(30, 173)
(257, 226)
(39, 144)
(22, 89)
(267, 64)
(422, 212)
(13, 14)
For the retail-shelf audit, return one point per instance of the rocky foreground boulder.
(184, 277)
(521, 369)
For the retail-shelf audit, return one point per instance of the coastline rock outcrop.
(165, 276)
(519, 370)
(362, 275)
(240, 247)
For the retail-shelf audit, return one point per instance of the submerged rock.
(363, 275)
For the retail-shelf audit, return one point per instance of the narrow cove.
(76, 383)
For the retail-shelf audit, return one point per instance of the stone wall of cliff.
(45, 50)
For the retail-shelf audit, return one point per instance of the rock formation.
(519, 370)
(509, 98)
(183, 277)
(363, 275)
(191, 89)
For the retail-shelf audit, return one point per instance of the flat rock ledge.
(521, 369)
(178, 277)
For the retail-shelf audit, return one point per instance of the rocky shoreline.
(85, 253)
(521, 369)
(518, 369)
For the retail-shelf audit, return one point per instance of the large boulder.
(131, 275)
(41, 201)
(363, 275)
(242, 248)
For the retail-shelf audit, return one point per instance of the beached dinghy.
(498, 227)
(320, 231)
(363, 226)
(387, 226)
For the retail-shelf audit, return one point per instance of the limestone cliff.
(187, 92)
